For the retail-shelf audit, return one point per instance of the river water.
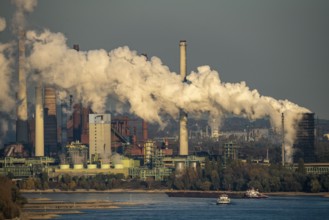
(160, 206)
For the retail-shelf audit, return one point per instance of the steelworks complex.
(70, 138)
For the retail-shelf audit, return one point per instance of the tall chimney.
(183, 135)
(39, 123)
(145, 133)
(21, 123)
(144, 123)
(282, 150)
(64, 109)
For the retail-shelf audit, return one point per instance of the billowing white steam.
(148, 87)
(4, 84)
(22, 7)
(7, 94)
(2, 24)
(7, 97)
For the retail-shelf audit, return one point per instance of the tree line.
(236, 176)
(11, 201)
(240, 176)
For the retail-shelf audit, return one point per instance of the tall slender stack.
(21, 123)
(64, 109)
(145, 133)
(39, 126)
(282, 149)
(183, 135)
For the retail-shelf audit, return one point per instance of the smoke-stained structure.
(50, 121)
(77, 128)
(21, 124)
(100, 137)
(145, 130)
(18, 28)
(63, 113)
(7, 96)
(116, 76)
(183, 133)
(305, 139)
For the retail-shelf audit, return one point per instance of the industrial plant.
(67, 137)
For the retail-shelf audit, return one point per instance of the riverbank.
(322, 194)
(39, 205)
(168, 191)
(43, 208)
(97, 191)
(159, 205)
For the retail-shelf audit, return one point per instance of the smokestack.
(183, 135)
(283, 151)
(76, 47)
(63, 124)
(39, 124)
(144, 123)
(182, 47)
(145, 134)
(21, 124)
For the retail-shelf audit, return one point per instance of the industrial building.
(89, 143)
(230, 152)
(50, 122)
(305, 139)
(100, 138)
(89, 139)
(22, 115)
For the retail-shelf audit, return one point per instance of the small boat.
(254, 194)
(223, 199)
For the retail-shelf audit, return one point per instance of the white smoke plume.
(22, 7)
(5, 66)
(116, 159)
(148, 87)
(7, 102)
(7, 96)
(2, 24)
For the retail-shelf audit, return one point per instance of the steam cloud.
(7, 97)
(22, 7)
(149, 89)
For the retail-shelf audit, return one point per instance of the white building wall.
(100, 137)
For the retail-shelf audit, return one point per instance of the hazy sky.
(279, 47)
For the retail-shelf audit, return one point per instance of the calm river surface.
(160, 206)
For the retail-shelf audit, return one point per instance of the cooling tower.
(21, 124)
(183, 135)
(39, 126)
